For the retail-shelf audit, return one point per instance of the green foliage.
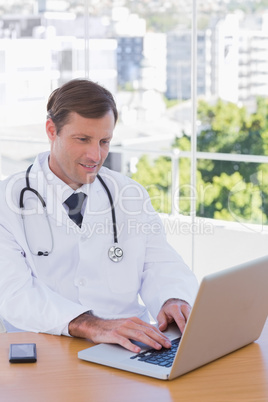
(170, 102)
(235, 191)
(161, 22)
(155, 176)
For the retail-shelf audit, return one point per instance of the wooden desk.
(59, 376)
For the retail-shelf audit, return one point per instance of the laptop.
(229, 312)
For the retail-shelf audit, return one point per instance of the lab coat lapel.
(50, 193)
(97, 205)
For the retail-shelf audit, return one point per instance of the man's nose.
(94, 152)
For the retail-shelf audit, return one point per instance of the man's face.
(80, 149)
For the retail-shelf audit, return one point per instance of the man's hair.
(87, 98)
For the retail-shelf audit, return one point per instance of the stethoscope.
(115, 253)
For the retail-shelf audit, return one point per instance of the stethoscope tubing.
(115, 253)
(112, 207)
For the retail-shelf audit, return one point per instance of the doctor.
(94, 267)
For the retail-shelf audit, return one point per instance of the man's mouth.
(88, 166)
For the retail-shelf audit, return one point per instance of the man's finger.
(147, 334)
(162, 321)
(174, 310)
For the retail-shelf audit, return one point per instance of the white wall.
(217, 244)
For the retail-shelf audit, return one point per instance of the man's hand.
(173, 310)
(119, 331)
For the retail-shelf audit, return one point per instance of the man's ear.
(51, 129)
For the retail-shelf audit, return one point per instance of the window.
(142, 52)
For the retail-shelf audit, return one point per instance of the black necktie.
(75, 202)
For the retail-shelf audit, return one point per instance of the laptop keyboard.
(163, 357)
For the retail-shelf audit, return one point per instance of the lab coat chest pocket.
(124, 276)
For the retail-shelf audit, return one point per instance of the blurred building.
(242, 58)
(232, 60)
(129, 59)
(35, 59)
(179, 70)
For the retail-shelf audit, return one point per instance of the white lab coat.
(44, 293)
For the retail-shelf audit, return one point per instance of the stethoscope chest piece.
(115, 254)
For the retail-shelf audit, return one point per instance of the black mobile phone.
(22, 353)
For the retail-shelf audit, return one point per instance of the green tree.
(155, 176)
(224, 190)
(226, 128)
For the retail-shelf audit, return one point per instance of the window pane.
(142, 52)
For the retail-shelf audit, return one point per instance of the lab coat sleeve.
(165, 274)
(26, 302)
